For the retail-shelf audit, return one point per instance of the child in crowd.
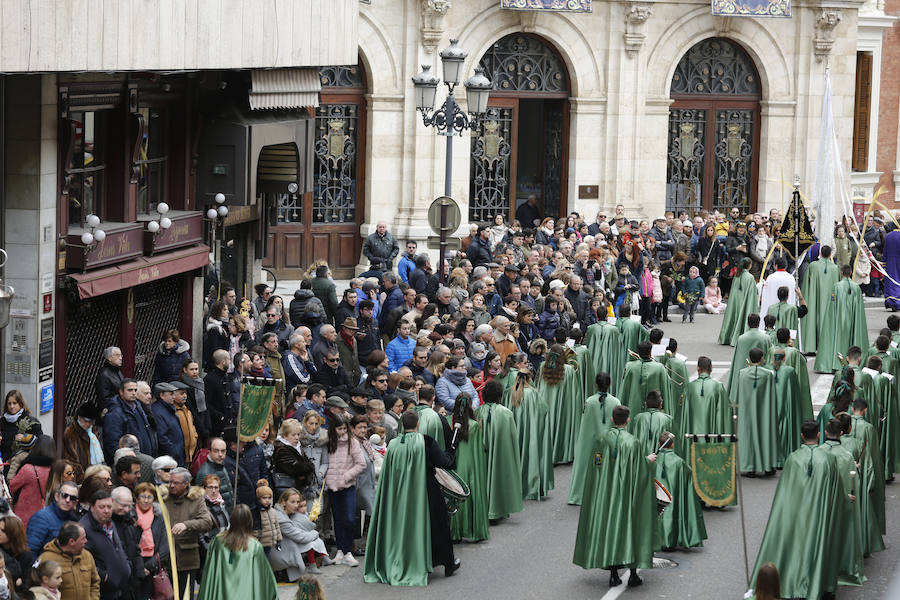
(626, 286)
(265, 521)
(691, 291)
(298, 395)
(47, 578)
(595, 312)
(656, 312)
(310, 588)
(549, 319)
(317, 555)
(712, 298)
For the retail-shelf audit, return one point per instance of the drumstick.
(456, 427)
(664, 444)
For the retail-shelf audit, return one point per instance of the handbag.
(282, 481)
(162, 585)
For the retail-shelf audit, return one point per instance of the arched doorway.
(713, 145)
(521, 146)
(322, 220)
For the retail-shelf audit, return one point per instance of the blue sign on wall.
(46, 398)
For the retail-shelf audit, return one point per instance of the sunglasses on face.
(331, 360)
(271, 315)
(381, 381)
(68, 497)
(167, 469)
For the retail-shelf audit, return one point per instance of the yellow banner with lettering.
(713, 467)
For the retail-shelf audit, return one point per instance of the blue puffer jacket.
(169, 362)
(44, 525)
(399, 351)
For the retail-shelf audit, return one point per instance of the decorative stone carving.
(433, 12)
(826, 21)
(528, 20)
(636, 15)
(723, 25)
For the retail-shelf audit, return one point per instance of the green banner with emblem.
(256, 405)
(713, 467)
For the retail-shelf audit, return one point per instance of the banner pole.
(237, 452)
(737, 467)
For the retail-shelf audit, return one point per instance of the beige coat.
(189, 509)
(80, 580)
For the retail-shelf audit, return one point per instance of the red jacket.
(32, 481)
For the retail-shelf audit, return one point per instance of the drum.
(663, 498)
(453, 488)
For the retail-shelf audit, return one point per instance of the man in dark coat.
(331, 374)
(374, 271)
(130, 535)
(577, 298)
(216, 385)
(393, 296)
(479, 251)
(106, 384)
(368, 337)
(305, 308)
(346, 308)
(418, 278)
(505, 282)
(324, 290)
(381, 244)
(196, 395)
(170, 436)
(105, 546)
(253, 467)
(125, 415)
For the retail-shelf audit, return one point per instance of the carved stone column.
(826, 21)
(433, 12)
(636, 14)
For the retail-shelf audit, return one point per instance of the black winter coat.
(109, 557)
(106, 384)
(288, 461)
(479, 252)
(306, 309)
(170, 362)
(130, 534)
(217, 402)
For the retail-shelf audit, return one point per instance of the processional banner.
(713, 467)
(256, 404)
(557, 5)
(751, 8)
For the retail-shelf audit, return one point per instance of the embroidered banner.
(558, 5)
(256, 404)
(751, 8)
(713, 466)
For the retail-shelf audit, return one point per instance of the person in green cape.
(681, 524)
(883, 389)
(650, 424)
(769, 327)
(679, 406)
(752, 338)
(431, 423)
(633, 333)
(787, 406)
(507, 375)
(787, 315)
(839, 400)
(710, 410)
(882, 349)
(236, 566)
(470, 522)
(850, 567)
(617, 521)
(604, 344)
(640, 377)
(893, 324)
(871, 478)
(742, 300)
(535, 447)
(807, 501)
(560, 388)
(844, 324)
(817, 285)
(754, 395)
(595, 421)
(793, 358)
(410, 529)
(501, 445)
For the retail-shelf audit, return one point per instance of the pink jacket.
(343, 466)
(713, 297)
(32, 481)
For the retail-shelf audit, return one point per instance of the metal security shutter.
(156, 310)
(92, 326)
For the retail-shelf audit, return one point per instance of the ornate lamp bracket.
(636, 15)
(827, 19)
(433, 12)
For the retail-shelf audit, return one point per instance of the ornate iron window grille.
(347, 76)
(335, 184)
(733, 155)
(489, 186)
(686, 153)
(716, 66)
(524, 63)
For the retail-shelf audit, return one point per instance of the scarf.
(298, 447)
(13, 418)
(199, 391)
(217, 501)
(96, 447)
(144, 520)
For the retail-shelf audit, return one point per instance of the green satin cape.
(871, 484)
(535, 450)
(430, 424)
(565, 401)
(504, 468)
(679, 405)
(789, 411)
(398, 548)
(237, 575)
(844, 326)
(809, 504)
(642, 376)
(710, 409)
(596, 420)
(617, 521)
(754, 394)
(753, 338)
(682, 522)
(818, 283)
(850, 569)
(647, 427)
(471, 520)
(604, 344)
(785, 315)
(632, 333)
(793, 358)
(743, 300)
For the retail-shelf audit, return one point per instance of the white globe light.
(220, 198)
(223, 211)
(152, 226)
(99, 235)
(93, 220)
(165, 222)
(87, 238)
(162, 208)
(211, 214)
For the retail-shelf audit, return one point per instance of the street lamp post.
(450, 119)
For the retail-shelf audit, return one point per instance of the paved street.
(530, 554)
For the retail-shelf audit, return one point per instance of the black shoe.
(634, 580)
(452, 567)
(614, 579)
(667, 320)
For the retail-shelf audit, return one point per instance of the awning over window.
(284, 88)
(140, 270)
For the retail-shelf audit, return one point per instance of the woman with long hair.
(435, 364)
(768, 583)
(61, 471)
(236, 566)
(12, 425)
(558, 385)
(29, 486)
(492, 366)
(345, 463)
(14, 548)
(535, 443)
(709, 252)
(465, 330)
